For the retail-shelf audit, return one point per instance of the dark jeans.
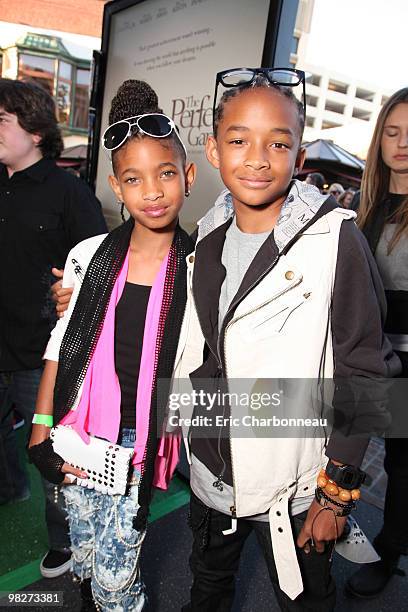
(392, 541)
(19, 389)
(215, 560)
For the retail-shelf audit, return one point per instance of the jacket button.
(289, 275)
(191, 259)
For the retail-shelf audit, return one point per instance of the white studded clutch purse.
(106, 464)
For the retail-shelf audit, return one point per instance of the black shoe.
(88, 604)
(55, 563)
(371, 579)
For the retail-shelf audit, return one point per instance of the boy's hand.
(324, 528)
(60, 295)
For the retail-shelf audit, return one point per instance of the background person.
(346, 198)
(383, 217)
(317, 179)
(336, 190)
(44, 212)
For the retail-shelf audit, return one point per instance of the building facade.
(54, 48)
(46, 60)
(339, 108)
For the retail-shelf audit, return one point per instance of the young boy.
(275, 298)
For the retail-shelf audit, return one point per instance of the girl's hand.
(319, 528)
(67, 468)
(40, 434)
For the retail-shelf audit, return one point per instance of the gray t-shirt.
(237, 255)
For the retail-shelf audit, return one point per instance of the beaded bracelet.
(324, 482)
(346, 509)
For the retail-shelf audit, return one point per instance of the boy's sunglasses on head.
(156, 125)
(286, 77)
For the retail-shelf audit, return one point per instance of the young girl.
(383, 217)
(117, 339)
(276, 298)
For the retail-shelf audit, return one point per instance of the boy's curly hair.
(36, 114)
(259, 81)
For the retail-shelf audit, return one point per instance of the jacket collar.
(300, 208)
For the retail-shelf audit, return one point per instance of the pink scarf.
(98, 411)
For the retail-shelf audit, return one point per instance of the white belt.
(284, 551)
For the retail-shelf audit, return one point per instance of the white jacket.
(287, 315)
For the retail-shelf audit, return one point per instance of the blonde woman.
(383, 217)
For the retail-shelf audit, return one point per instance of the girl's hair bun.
(133, 98)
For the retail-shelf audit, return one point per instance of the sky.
(364, 38)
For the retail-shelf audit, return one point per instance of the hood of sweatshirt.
(304, 203)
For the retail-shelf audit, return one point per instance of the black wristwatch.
(345, 476)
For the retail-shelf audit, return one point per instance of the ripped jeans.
(105, 546)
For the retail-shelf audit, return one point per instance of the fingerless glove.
(46, 461)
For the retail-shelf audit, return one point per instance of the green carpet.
(23, 533)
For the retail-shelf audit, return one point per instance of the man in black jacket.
(44, 212)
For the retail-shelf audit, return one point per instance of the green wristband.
(43, 419)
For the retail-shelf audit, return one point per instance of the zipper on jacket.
(233, 507)
(217, 483)
(219, 374)
(223, 362)
(278, 295)
(78, 269)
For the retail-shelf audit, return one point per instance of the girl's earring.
(122, 208)
(187, 193)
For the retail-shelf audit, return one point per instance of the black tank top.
(129, 328)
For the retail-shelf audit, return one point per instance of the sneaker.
(55, 563)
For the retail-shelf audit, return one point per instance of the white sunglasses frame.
(172, 126)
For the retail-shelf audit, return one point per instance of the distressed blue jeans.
(105, 546)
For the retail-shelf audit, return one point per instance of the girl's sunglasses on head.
(156, 125)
